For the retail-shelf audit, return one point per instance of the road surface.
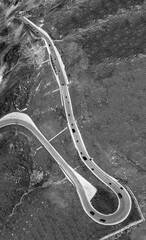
(124, 199)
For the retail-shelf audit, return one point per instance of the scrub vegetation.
(102, 46)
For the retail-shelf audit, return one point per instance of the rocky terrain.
(103, 47)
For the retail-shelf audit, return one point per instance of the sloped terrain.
(103, 47)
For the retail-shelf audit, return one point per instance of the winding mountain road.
(83, 187)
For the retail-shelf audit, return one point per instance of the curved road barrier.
(85, 190)
(124, 199)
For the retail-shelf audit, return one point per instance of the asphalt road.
(83, 187)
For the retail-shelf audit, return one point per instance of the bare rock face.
(102, 45)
